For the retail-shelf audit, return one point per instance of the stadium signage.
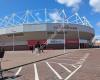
(59, 27)
(69, 27)
(55, 41)
(66, 27)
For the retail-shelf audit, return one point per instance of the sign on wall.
(55, 41)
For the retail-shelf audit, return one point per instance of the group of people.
(38, 48)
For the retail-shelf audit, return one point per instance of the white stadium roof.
(42, 16)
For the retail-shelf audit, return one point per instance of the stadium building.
(54, 31)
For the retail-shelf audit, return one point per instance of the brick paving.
(72, 60)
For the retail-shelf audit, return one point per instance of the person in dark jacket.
(42, 47)
(31, 48)
(2, 51)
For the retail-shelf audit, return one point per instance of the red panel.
(33, 42)
(72, 41)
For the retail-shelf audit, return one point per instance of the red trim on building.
(33, 42)
(74, 41)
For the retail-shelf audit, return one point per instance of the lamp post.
(64, 30)
(13, 36)
(64, 37)
(78, 38)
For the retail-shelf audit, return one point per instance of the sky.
(88, 8)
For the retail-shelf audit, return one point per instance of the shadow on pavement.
(10, 77)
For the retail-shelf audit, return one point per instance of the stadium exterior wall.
(25, 36)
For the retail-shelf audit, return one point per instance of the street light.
(64, 30)
(78, 37)
(13, 36)
(64, 37)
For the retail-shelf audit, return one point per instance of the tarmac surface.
(75, 64)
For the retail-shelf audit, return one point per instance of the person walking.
(42, 47)
(2, 51)
(37, 47)
(31, 48)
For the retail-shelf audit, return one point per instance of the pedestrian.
(42, 47)
(31, 48)
(2, 51)
(37, 47)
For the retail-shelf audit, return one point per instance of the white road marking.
(73, 72)
(68, 53)
(36, 72)
(58, 63)
(65, 67)
(64, 63)
(19, 70)
(73, 66)
(65, 59)
(56, 73)
(82, 60)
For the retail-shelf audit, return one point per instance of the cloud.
(71, 3)
(95, 4)
(98, 24)
(55, 16)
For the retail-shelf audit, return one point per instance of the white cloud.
(71, 3)
(55, 16)
(98, 24)
(61, 1)
(95, 4)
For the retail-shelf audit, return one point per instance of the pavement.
(17, 58)
(75, 64)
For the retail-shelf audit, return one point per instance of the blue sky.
(88, 8)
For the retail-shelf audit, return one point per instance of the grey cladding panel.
(35, 27)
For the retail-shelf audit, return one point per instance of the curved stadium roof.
(42, 16)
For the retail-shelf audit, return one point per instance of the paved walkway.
(16, 58)
(74, 65)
